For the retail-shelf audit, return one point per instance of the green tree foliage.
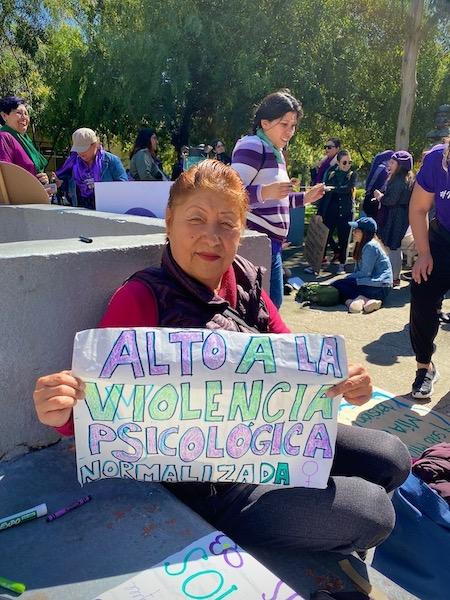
(196, 69)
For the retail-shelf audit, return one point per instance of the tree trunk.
(409, 71)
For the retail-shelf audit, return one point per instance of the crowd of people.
(203, 282)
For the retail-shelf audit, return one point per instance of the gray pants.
(353, 513)
(396, 257)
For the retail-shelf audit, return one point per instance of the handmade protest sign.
(212, 567)
(200, 405)
(418, 426)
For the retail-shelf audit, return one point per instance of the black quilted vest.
(184, 302)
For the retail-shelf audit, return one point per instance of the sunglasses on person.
(347, 162)
(328, 147)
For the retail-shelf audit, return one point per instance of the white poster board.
(212, 567)
(144, 198)
(174, 405)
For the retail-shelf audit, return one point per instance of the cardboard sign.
(212, 567)
(206, 405)
(315, 242)
(18, 186)
(144, 198)
(416, 425)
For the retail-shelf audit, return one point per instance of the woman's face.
(18, 119)
(204, 233)
(280, 131)
(220, 148)
(392, 167)
(345, 163)
(154, 143)
(331, 149)
(357, 235)
(89, 155)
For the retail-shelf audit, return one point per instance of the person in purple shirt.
(431, 272)
(15, 145)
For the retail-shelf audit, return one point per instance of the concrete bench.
(126, 528)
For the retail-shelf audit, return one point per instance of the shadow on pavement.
(388, 347)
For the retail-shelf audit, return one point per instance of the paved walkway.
(379, 340)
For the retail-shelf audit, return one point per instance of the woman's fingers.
(357, 389)
(55, 396)
(60, 378)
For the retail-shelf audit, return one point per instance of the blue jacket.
(113, 169)
(374, 267)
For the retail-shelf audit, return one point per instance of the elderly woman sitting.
(15, 145)
(202, 282)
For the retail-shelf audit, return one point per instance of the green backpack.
(315, 293)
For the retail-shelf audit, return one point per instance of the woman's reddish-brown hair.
(212, 176)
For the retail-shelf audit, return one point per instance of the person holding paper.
(202, 282)
(87, 164)
(259, 161)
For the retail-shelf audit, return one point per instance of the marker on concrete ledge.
(86, 240)
(63, 511)
(13, 586)
(22, 517)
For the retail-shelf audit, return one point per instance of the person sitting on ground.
(336, 207)
(218, 148)
(87, 164)
(202, 282)
(16, 146)
(393, 219)
(145, 164)
(367, 287)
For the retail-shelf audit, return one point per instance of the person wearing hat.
(431, 271)
(87, 164)
(367, 287)
(393, 220)
(145, 164)
(16, 146)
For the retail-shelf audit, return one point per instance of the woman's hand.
(357, 389)
(276, 191)
(314, 193)
(55, 396)
(43, 178)
(422, 268)
(377, 194)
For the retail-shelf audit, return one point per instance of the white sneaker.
(341, 269)
(356, 306)
(372, 305)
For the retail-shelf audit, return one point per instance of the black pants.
(337, 219)
(426, 297)
(354, 512)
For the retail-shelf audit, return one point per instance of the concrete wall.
(42, 222)
(49, 290)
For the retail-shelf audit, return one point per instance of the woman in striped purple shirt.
(259, 160)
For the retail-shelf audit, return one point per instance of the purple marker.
(63, 511)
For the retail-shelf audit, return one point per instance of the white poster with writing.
(140, 198)
(177, 405)
(212, 567)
